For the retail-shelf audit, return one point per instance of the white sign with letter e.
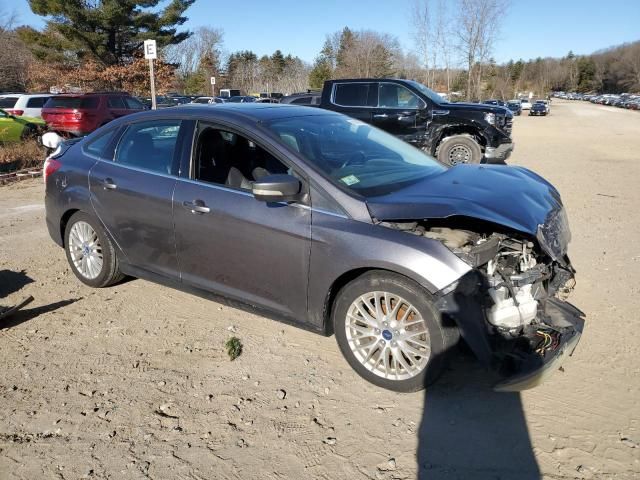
(150, 49)
(213, 80)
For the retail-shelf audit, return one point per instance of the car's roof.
(255, 112)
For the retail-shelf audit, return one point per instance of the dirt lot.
(133, 381)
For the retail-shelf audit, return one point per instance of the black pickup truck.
(453, 132)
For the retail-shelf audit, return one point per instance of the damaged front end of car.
(510, 306)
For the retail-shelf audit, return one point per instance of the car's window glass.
(37, 102)
(3, 114)
(72, 102)
(427, 92)
(149, 145)
(355, 155)
(102, 146)
(354, 95)
(391, 95)
(226, 158)
(8, 102)
(116, 102)
(133, 104)
(302, 100)
(201, 100)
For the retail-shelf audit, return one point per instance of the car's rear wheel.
(459, 149)
(90, 252)
(390, 332)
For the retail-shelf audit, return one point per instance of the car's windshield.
(354, 154)
(433, 96)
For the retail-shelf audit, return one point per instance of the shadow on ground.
(469, 431)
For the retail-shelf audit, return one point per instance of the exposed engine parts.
(519, 277)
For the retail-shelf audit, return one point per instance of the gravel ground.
(133, 381)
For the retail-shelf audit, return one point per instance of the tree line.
(98, 45)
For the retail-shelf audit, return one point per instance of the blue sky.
(530, 28)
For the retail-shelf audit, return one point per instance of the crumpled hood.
(513, 197)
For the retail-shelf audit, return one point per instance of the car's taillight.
(50, 166)
(14, 111)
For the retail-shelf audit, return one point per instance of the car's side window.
(302, 101)
(226, 158)
(37, 102)
(355, 94)
(102, 146)
(392, 95)
(133, 104)
(116, 102)
(150, 145)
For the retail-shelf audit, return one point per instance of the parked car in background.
(241, 99)
(367, 237)
(495, 102)
(309, 98)
(546, 104)
(79, 115)
(267, 100)
(538, 109)
(525, 104)
(206, 100)
(515, 106)
(454, 132)
(227, 93)
(27, 104)
(15, 128)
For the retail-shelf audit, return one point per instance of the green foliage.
(234, 348)
(110, 32)
(586, 74)
(321, 72)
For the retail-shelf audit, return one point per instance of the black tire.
(459, 149)
(109, 273)
(441, 336)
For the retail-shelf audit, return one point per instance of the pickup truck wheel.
(390, 332)
(459, 149)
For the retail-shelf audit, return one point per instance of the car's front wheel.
(459, 149)
(390, 332)
(90, 252)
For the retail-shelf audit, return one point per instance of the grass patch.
(234, 347)
(20, 155)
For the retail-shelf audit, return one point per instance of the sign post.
(151, 54)
(213, 86)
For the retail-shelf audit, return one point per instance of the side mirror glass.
(51, 140)
(277, 188)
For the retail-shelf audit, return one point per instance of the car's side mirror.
(51, 140)
(277, 188)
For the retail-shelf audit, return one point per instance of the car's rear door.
(355, 99)
(230, 243)
(132, 193)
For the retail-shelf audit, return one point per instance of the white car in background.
(24, 104)
(526, 104)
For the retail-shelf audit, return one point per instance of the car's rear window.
(8, 102)
(37, 102)
(72, 102)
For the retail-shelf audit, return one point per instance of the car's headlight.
(490, 118)
(554, 236)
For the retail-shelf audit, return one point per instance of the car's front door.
(132, 194)
(232, 244)
(400, 112)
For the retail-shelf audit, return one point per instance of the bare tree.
(478, 25)
(422, 35)
(14, 55)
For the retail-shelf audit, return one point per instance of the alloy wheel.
(388, 335)
(85, 250)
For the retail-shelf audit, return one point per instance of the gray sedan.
(325, 222)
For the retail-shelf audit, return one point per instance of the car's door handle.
(108, 184)
(197, 206)
(381, 115)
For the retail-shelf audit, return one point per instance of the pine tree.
(110, 32)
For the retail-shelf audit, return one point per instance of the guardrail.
(18, 175)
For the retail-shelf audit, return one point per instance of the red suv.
(81, 114)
